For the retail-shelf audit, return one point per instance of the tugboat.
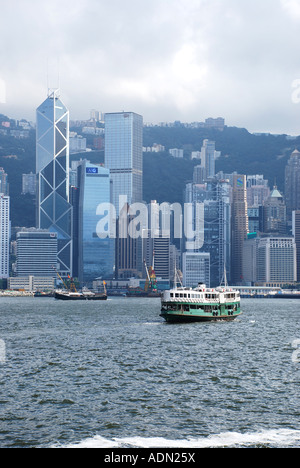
(201, 304)
(71, 294)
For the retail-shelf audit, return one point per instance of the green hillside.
(241, 151)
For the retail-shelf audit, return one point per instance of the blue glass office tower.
(124, 155)
(54, 211)
(96, 254)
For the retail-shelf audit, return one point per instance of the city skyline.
(206, 218)
(206, 59)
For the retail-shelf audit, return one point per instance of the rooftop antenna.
(58, 72)
(47, 73)
(53, 91)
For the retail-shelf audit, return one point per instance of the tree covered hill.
(241, 151)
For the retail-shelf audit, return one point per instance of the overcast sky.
(165, 59)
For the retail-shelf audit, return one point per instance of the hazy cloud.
(166, 59)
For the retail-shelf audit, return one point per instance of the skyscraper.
(29, 184)
(95, 253)
(124, 156)
(292, 184)
(208, 157)
(36, 253)
(128, 249)
(217, 229)
(4, 185)
(296, 234)
(196, 269)
(124, 159)
(239, 227)
(212, 224)
(4, 235)
(54, 211)
(156, 244)
(276, 261)
(275, 213)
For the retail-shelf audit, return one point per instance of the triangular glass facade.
(54, 211)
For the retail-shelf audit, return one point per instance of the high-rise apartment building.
(54, 212)
(292, 184)
(296, 234)
(274, 210)
(4, 185)
(36, 253)
(124, 156)
(257, 190)
(239, 226)
(96, 245)
(208, 157)
(29, 184)
(4, 235)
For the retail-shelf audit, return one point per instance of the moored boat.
(71, 293)
(79, 296)
(200, 304)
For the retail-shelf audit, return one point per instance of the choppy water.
(114, 374)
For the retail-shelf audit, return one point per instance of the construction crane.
(72, 284)
(151, 281)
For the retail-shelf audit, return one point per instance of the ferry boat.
(201, 304)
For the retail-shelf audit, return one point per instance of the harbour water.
(114, 374)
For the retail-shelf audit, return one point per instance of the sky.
(167, 60)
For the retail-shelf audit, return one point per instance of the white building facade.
(195, 269)
(4, 235)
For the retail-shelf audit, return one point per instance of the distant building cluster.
(218, 124)
(93, 224)
(19, 129)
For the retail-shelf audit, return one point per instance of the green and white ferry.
(200, 304)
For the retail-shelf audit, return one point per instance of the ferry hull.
(214, 315)
(80, 297)
(183, 318)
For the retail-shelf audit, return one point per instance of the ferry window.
(176, 295)
(172, 295)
